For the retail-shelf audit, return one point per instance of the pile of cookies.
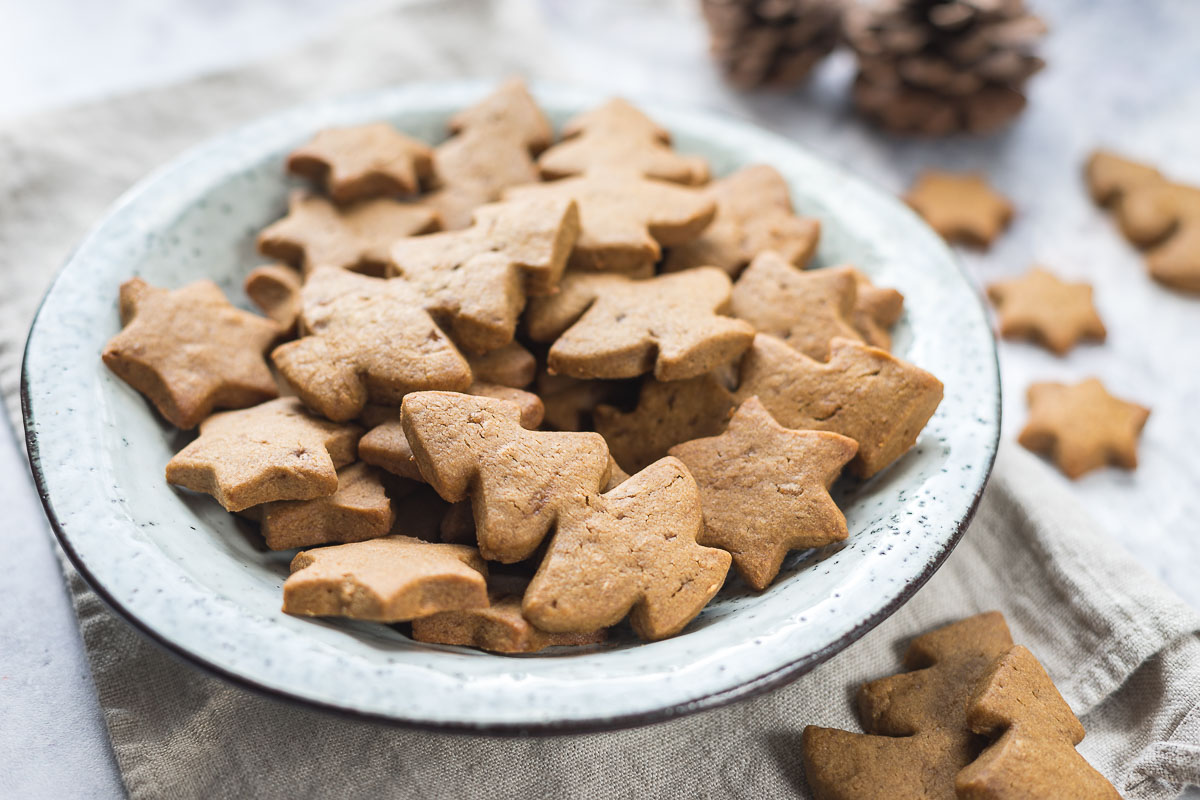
(529, 388)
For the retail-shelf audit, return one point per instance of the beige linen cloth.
(1122, 648)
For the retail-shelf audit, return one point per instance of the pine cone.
(937, 67)
(771, 42)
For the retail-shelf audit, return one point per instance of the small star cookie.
(273, 451)
(391, 579)
(190, 351)
(275, 289)
(357, 511)
(362, 162)
(1082, 427)
(764, 489)
(876, 310)
(499, 628)
(1041, 307)
(510, 365)
(960, 207)
(611, 326)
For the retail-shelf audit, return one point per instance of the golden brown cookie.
(765, 489)
(511, 110)
(666, 415)
(369, 340)
(625, 220)
(519, 481)
(1109, 176)
(476, 280)
(499, 628)
(385, 445)
(571, 403)
(316, 233)
(273, 451)
(510, 365)
(960, 207)
(190, 351)
(1034, 734)
(617, 135)
(357, 511)
(363, 161)
(806, 309)
(611, 326)
(876, 310)
(630, 551)
(1165, 217)
(916, 737)
(754, 214)
(1050, 311)
(392, 579)
(275, 288)
(863, 392)
(1082, 427)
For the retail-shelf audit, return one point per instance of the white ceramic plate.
(190, 576)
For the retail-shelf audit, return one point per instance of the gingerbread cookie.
(274, 451)
(1109, 176)
(519, 481)
(617, 135)
(1050, 311)
(1034, 735)
(764, 489)
(316, 233)
(960, 207)
(385, 445)
(357, 511)
(863, 392)
(419, 512)
(369, 341)
(392, 579)
(754, 214)
(666, 415)
(510, 365)
(499, 628)
(477, 279)
(611, 326)
(190, 351)
(876, 310)
(510, 111)
(805, 309)
(363, 161)
(1165, 217)
(275, 288)
(625, 220)
(571, 403)
(630, 551)
(1082, 427)
(917, 737)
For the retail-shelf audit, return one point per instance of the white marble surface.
(1121, 73)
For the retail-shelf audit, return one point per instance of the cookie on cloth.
(916, 736)
(862, 392)
(667, 413)
(764, 489)
(390, 579)
(754, 214)
(273, 451)
(805, 308)
(961, 207)
(1033, 732)
(625, 220)
(358, 510)
(368, 340)
(519, 481)
(611, 326)
(617, 135)
(630, 551)
(363, 161)
(190, 350)
(1082, 427)
(275, 289)
(476, 280)
(1041, 307)
(316, 233)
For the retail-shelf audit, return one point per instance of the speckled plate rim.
(779, 670)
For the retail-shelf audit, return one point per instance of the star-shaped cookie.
(275, 288)
(316, 233)
(961, 207)
(1041, 307)
(1082, 427)
(764, 489)
(190, 351)
(876, 310)
(273, 451)
(357, 511)
(611, 326)
(363, 161)
(499, 628)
